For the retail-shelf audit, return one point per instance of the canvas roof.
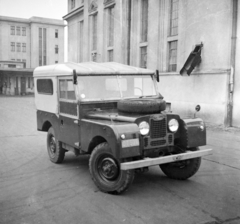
(89, 68)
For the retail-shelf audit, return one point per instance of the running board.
(164, 159)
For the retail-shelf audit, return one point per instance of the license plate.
(130, 142)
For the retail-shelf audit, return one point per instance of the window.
(143, 57)
(18, 59)
(72, 4)
(81, 42)
(110, 55)
(18, 47)
(23, 31)
(94, 32)
(18, 31)
(67, 89)
(13, 59)
(144, 20)
(45, 86)
(56, 49)
(110, 27)
(29, 82)
(12, 30)
(42, 46)
(12, 46)
(56, 33)
(24, 60)
(23, 47)
(11, 66)
(173, 17)
(172, 66)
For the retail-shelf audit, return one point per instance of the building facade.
(24, 45)
(198, 39)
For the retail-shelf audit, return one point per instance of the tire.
(182, 170)
(54, 147)
(141, 106)
(106, 173)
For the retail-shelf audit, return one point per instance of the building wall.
(11, 83)
(207, 21)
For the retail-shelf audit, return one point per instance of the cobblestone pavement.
(34, 190)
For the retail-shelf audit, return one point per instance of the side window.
(45, 86)
(66, 89)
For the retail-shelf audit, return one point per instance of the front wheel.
(182, 170)
(55, 151)
(106, 173)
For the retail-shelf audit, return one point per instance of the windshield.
(92, 88)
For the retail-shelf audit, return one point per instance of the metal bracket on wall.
(193, 60)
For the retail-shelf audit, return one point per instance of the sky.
(54, 9)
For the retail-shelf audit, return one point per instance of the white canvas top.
(89, 68)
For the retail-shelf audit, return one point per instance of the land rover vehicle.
(114, 113)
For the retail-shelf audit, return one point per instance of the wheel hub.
(52, 145)
(108, 169)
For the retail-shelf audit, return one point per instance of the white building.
(160, 35)
(24, 45)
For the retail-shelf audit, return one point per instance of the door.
(68, 113)
(23, 85)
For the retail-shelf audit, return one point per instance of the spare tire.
(141, 106)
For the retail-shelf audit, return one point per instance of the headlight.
(144, 128)
(173, 125)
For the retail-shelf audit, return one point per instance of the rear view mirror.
(157, 75)
(74, 77)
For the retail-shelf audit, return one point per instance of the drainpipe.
(129, 31)
(228, 122)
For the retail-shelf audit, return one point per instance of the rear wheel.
(55, 151)
(182, 170)
(106, 173)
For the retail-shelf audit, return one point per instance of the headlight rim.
(173, 130)
(140, 129)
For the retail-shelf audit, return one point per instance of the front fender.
(192, 132)
(111, 132)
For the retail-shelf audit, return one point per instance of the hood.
(114, 115)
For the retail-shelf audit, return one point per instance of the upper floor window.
(12, 30)
(144, 20)
(172, 65)
(94, 32)
(12, 46)
(110, 27)
(18, 31)
(23, 47)
(23, 31)
(173, 17)
(72, 4)
(143, 57)
(56, 49)
(18, 47)
(56, 33)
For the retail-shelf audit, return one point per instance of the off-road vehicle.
(114, 113)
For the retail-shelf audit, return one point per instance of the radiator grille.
(158, 128)
(170, 139)
(158, 142)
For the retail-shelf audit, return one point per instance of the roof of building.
(34, 19)
(89, 68)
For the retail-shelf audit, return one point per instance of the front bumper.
(164, 159)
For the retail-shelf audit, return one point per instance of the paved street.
(34, 190)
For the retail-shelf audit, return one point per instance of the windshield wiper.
(146, 96)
